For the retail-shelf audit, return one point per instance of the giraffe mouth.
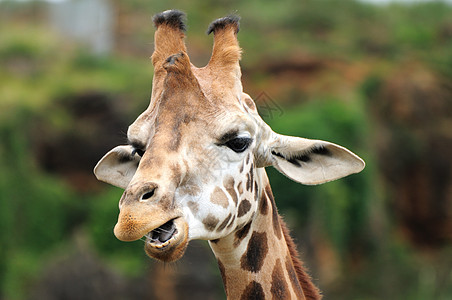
(168, 241)
(161, 236)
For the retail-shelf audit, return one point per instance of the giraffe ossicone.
(194, 168)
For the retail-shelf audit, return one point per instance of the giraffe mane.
(309, 289)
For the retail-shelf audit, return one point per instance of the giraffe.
(194, 168)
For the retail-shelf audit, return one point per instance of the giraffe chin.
(168, 242)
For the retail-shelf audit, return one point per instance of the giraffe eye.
(239, 144)
(137, 147)
(138, 151)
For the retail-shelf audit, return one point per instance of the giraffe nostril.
(148, 195)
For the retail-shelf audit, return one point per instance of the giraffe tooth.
(157, 244)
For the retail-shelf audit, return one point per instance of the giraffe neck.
(259, 261)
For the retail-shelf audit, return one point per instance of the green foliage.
(36, 210)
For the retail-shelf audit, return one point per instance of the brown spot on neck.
(253, 291)
(263, 205)
(279, 288)
(256, 251)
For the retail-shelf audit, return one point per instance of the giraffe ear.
(313, 161)
(118, 166)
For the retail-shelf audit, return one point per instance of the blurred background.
(374, 77)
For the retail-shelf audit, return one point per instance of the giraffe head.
(189, 170)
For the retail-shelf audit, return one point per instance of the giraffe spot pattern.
(263, 205)
(219, 197)
(244, 207)
(279, 288)
(248, 181)
(224, 223)
(194, 207)
(231, 223)
(210, 222)
(240, 188)
(229, 186)
(253, 258)
(241, 234)
(253, 291)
